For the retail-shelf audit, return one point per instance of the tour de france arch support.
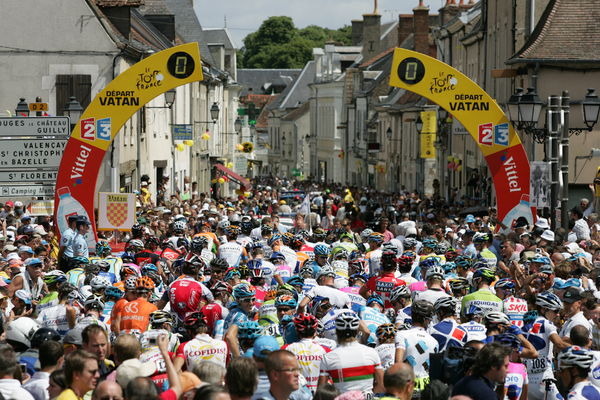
(104, 117)
(482, 118)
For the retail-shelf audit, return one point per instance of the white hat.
(411, 230)
(572, 237)
(144, 183)
(134, 368)
(542, 223)
(548, 235)
(573, 248)
(18, 204)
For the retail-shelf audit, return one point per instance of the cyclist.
(400, 300)
(135, 315)
(483, 296)
(473, 317)
(434, 278)
(385, 281)
(574, 365)
(232, 251)
(386, 347)
(373, 316)
(448, 332)
(514, 307)
(201, 347)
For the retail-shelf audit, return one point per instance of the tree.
(279, 44)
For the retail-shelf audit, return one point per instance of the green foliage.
(279, 44)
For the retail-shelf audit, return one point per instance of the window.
(79, 86)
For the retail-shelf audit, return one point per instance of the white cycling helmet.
(99, 283)
(223, 224)
(575, 356)
(434, 271)
(496, 318)
(347, 320)
(21, 330)
(548, 300)
(179, 225)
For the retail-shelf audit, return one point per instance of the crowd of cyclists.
(358, 295)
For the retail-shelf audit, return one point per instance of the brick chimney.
(371, 35)
(421, 23)
(405, 27)
(357, 32)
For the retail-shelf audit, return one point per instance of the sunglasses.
(248, 300)
(283, 309)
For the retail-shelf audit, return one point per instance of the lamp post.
(22, 109)
(524, 112)
(73, 110)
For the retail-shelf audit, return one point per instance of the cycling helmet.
(103, 248)
(495, 318)
(386, 331)
(249, 330)
(223, 224)
(462, 261)
(441, 248)
(322, 250)
(127, 270)
(306, 271)
(276, 256)
(505, 284)
(21, 331)
(137, 230)
(287, 238)
(548, 300)
(219, 264)
(179, 226)
(160, 317)
(275, 237)
(220, 286)
(136, 244)
(479, 263)
(366, 233)
(183, 242)
(484, 273)
(152, 240)
(131, 283)
(149, 268)
(434, 272)
(422, 308)
(430, 243)
(429, 262)
(94, 301)
(449, 267)
(99, 283)
(194, 320)
(103, 265)
(297, 241)
(474, 311)
(508, 339)
(480, 237)
(286, 301)
(145, 283)
(319, 235)
(317, 303)
(459, 283)
(575, 356)
(546, 269)
(55, 277)
(296, 281)
(199, 243)
(113, 291)
(287, 289)
(326, 270)
(80, 260)
(450, 255)
(409, 243)
(530, 316)
(255, 264)
(376, 237)
(375, 298)
(358, 275)
(404, 261)
(340, 253)
(399, 292)
(44, 334)
(305, 322)
(242, 291)
(445, 303)
(347, 320)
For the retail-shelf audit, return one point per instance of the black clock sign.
(180, 65)
(411, 70)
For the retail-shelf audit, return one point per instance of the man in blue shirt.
(489, 369)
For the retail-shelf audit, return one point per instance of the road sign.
(34, 126)
(38, 106)
(27, 176)
(40, 207)
(31, 153)
(182, 132)
(26, 191)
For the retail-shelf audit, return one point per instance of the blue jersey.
(236, 316)
(373, 319)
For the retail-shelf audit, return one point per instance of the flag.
(305, 206)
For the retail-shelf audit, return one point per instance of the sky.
(245, 16)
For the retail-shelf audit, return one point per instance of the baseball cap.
(189, 381)
(520, 223)
(133, 368)
(470, 218)
(18, 204)
(9, 248)
(25, 249)
(9, 203)
(73, 336)
(265, 345)
(25, 218)
(571, 295)
(144, 183)
(39, 229)
(23, 295)
(33, 261)
(548, 235)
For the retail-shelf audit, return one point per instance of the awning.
(240, 180)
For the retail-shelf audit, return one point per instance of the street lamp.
(530, 108)
(214, 112)
(22, 109)
(513, 107)
(170, 97)
(73, 110)
(591, 109)
(237, 125)
(419, 124)
(388, 133)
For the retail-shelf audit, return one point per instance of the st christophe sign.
(104, 117)
(481, 117)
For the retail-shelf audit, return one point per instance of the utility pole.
(564, 158)
(554, 127)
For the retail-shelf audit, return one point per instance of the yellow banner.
(427, 145)
(429, 119)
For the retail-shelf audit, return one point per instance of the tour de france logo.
(149, 78)
(444, 82)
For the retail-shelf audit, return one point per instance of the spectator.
(95, 340)
(51, 356)
(81, 374)
(57, 383)
(210, 372)
(399, 381)
(107, 390)
(283, 372)
(10, 376)
(241, 378)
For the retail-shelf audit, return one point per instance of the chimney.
(371, 35)
(405, 27)
(449, 11)
(421, 23)
(357, 32)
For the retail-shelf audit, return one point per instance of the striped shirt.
(351, 366)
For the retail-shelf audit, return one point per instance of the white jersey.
(584, 391)
(515, 308)
(203, 348)
(475, 330)
(231, 252)
(54, 318)
(540, 368)
(309, 355)
(594, 375)
(336, 297)
(291, 258)
(430, 295)
(577, 319)
(387, 354)
(351, 366)
(417, 345)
